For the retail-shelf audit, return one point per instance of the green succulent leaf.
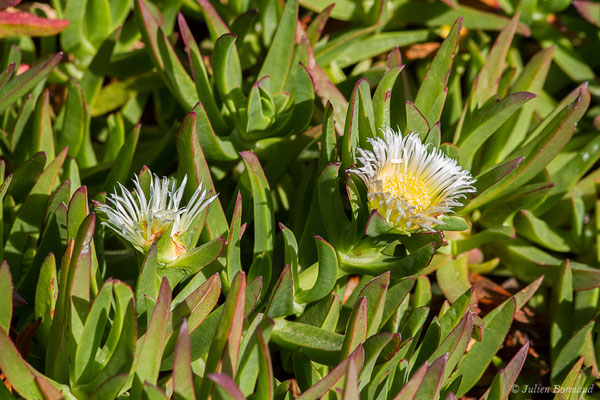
(505, 379)
(487, 81)
(325, 384)
(224, 350)
(263, 207)
(475, 132)
(539, 232)
(28, 221)
(453, 278)
(334, 219)
(514, 131)
(21, 375)
(481, 353)
(327, 273)
(356, 330)
(226, 387)
(193, 164)
(216, 26)
(45, 295)
(551, 139)
(121, 169)
(148, 283)
(22, 84)
(228, 72)
(152, 343)
(183, 383)
(6, 298)
(282, 299)
(318, 344)
(438, 73)
(93, 331)
(278, 61)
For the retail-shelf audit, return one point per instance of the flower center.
(157, 225)
(408, 188)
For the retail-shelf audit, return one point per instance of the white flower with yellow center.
(140, 220)
(409, 183)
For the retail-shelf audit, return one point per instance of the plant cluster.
(391, 199)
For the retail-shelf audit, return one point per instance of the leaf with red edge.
(31, 213)
(590, 10)
(193, 307)
(473, 365)
(455, 344)
(264, 224)
(149, 29)
(491, 177)
(410, 388)
(432, 381)
(375, 293)
(379, 350)
(18, 372)
(216, 26)
(315, 29)
(282, 299)
(356, 330)
(49, 391)
(72, 304)
(549, 139)
(226, 387)
(265, 382)
(324, 385)
(326, 90)
(505, 379)
(152, 344)
(486, 84)
(23, 83)
(193, 164)
(438, 73)
(224, 350)
(183, 377)
(27, 24)
(199, 73)
(351, 390)
(573, 376)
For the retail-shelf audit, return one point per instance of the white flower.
(409, 184)
(141, 220)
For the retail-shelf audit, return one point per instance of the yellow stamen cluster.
(409, 188)
(156, 227)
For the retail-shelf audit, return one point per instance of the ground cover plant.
(261, 199)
